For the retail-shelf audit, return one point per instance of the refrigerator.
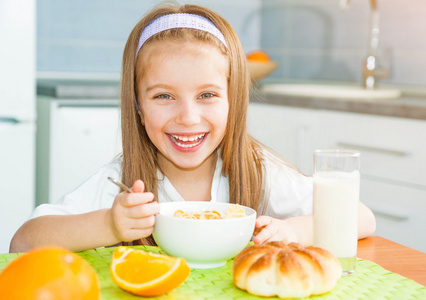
(17, 115)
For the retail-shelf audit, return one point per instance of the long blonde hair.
(239, 152)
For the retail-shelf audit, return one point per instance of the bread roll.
(285, 270)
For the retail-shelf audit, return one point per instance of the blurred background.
(60, 67)
(310, 39)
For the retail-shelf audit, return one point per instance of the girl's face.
(184, 101)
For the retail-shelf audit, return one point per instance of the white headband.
(179, 21)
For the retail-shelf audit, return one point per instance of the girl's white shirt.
(286, 192)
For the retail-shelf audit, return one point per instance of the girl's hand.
(133, 214)
(268, 229)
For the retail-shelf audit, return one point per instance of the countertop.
(78, 88)
(394, 257)
(411, 106)
(407, 106)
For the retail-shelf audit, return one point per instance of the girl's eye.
(206, 95)
(163, 96)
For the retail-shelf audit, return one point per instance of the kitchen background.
(310, 39)
(77, 48)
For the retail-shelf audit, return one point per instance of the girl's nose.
(188, 113)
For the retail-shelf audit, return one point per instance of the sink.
(331, 91)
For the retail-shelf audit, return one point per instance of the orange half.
(147, 274)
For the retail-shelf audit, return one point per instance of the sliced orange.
(258, 56)
(145, 273)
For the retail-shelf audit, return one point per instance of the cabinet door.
(16, 178)
(391, 148)
(83, 138)
(18, 58)
(399, 212)
(288, 131)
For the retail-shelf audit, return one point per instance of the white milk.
(336, 197)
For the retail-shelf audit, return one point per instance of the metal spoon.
(119, 184)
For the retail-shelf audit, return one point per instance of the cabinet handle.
(9, 120)
(390, 216)
(373, 149)
(87, 105)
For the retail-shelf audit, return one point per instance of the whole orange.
(49, 273)
(258, 56)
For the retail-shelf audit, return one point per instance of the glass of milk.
(336, 196)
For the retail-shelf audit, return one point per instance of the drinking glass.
(336, 196)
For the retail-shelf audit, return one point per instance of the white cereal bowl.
(203, 243)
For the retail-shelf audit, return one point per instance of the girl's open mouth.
(187, 141)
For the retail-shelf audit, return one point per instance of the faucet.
(371, 71)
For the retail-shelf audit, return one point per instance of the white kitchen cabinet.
(393, 159)
(74, 139)
(16, 178)
(17, 115)
(400, 211)
(391, 148)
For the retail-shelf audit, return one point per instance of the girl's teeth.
(187, 145)
(186, 139)
(197, 139)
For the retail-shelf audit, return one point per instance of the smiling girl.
(184, 98)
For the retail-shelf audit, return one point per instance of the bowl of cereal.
(206, 234)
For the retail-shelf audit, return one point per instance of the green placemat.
(370, 281)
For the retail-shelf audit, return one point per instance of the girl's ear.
(141, 116)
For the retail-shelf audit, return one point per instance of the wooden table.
(394, 257)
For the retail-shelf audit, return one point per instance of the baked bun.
(285, 270)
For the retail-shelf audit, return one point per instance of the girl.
(184, 98)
